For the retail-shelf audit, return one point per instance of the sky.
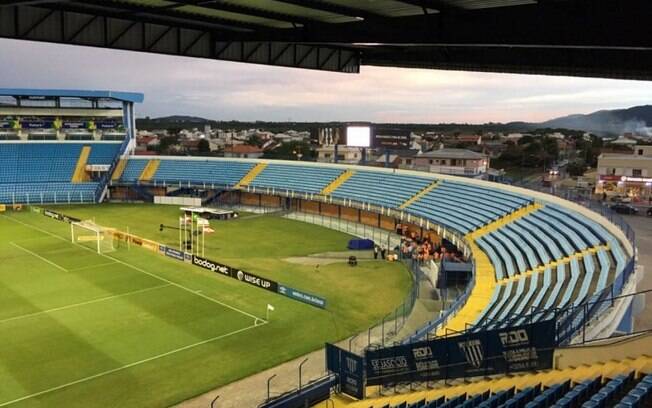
(234, 91)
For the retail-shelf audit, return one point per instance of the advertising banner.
(211, 265)
(512, 349)
(350, 370)
(390, 138)
(254, 280)
(174, 253)
(60, 217)
(107, 125)
(74, 125)
(302, 296)
(37, 124)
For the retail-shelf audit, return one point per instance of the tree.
(525, 140)
(166, 142)
(254, 140)
(203, 146)
(576, 168)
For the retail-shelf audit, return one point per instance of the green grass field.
(136, 329)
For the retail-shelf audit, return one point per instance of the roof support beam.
(244, 10)
(334, 8)
(572, 24)
(96, 6)
(431, 4)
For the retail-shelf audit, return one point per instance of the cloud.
(227, 90)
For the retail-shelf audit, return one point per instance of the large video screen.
(358, 136)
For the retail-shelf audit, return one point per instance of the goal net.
(93, 236)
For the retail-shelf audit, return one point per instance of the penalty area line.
(88, 302)
(153, 275)
(126, 366)
(34, 254)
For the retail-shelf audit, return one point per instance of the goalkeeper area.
(89, 321)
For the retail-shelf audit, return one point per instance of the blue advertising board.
(511, 349)
(174, 253)
(107, 125)
(37, 124)
(302, 296)
(349, 368)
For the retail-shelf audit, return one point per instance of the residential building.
(243, 151)
(626, 174)
(461, 162)
(345, 154)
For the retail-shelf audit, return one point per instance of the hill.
(637, 119)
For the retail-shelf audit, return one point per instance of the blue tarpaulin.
(361, 244)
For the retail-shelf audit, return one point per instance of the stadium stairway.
(485, 275)
(119, 169)
(337, 182)
(420, 194)
(150, 170)
(80, 175)
(251, 175)
(627, 362)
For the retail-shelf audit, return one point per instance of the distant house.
(469, 139)
(243, 151)
(461, 162)
(345, 154)
(403, 158)
(624, 140)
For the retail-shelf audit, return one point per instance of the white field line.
(88, 302)
(256, 318)
(81, 268)
(126, 366)
(34, 254)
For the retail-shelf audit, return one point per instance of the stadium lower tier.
(51, 173)
(48, 193)
(619, 384)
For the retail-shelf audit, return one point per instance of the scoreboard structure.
(365, 135)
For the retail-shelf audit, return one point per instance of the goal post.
(93, 236)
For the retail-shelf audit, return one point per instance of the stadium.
(121, 295)
(152, 281)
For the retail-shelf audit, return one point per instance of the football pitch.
(133, 328)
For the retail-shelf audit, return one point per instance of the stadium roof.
(559, 37)
(66, 93)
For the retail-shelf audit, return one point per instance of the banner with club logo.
(302, 296)
(512, 349)
(349, 368)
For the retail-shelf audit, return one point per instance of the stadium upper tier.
(35, 172)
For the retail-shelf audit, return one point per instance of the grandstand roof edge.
(133, 97)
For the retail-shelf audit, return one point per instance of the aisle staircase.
(253, 173)
(80, 175)
(337, 182)
(150, 170)
(119, 169)
(420, 194)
